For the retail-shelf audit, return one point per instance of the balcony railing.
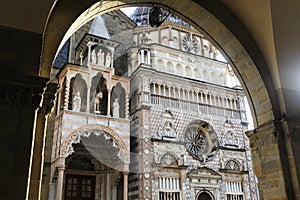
(187, 105)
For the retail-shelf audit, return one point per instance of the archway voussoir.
(250, 76)
(262, 96)
(254, 85)
(232, 48)
(240, 57)
(265, 117)
(222, 36)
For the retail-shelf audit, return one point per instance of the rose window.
(196, 142)
(200, 140)
(190, 44)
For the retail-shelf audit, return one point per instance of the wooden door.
(79, 187)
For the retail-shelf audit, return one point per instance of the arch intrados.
(213, 18)
(206, 192)
(75, 136)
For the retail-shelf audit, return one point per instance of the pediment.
(203, 172)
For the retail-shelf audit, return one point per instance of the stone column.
(108, 185)
(125, 185)
(159, 35)
(88, 99)
(58, 102)
(67, 93)
(144, 157)
(290, 152)
(127, 106)
(38, 147)
(108, 101)
(149, 57)
(81, 58)
(183, 179)
(98, 183)
(159, 90)
(89, 45)
(60, 181)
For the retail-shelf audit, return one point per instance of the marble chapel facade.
(146, 113)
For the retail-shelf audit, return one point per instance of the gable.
(203, 172)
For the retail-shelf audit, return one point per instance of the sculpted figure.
(100, 57)
(108, 60)
(116, 108)
(168, 129)
(97, 102)
(76, 102)
(93, 56)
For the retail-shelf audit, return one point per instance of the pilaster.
(38, 146)
(144, 149)
(20, 99)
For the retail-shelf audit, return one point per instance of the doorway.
(79, 187)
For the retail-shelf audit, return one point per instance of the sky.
(128, 10)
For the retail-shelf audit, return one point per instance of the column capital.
(264, 134)
(49, 98)
(61, 167)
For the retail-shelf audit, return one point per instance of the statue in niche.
(108, 60)
(76, 102)
(168, 129)
(93, 56)
(100, 57)
(97, 102)
(230, 138)
(116, 108)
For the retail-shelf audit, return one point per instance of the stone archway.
(205, 195)
(212, 17)
(120, 148)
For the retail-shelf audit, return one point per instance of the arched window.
(213, 77)
(179, 69)
(118, 101)
(170, 67)
(160, 64)
(165, 41)
(205, 75)
(204, 196)
(78, 90)
(232, 165)
(222, 79)
(197, 73)
(175, 42)
(98, 95)
(188, 71)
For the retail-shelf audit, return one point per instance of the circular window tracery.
(196, 141)
(190, 44)
(200, 140)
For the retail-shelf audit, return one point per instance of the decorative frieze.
(26, 95)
